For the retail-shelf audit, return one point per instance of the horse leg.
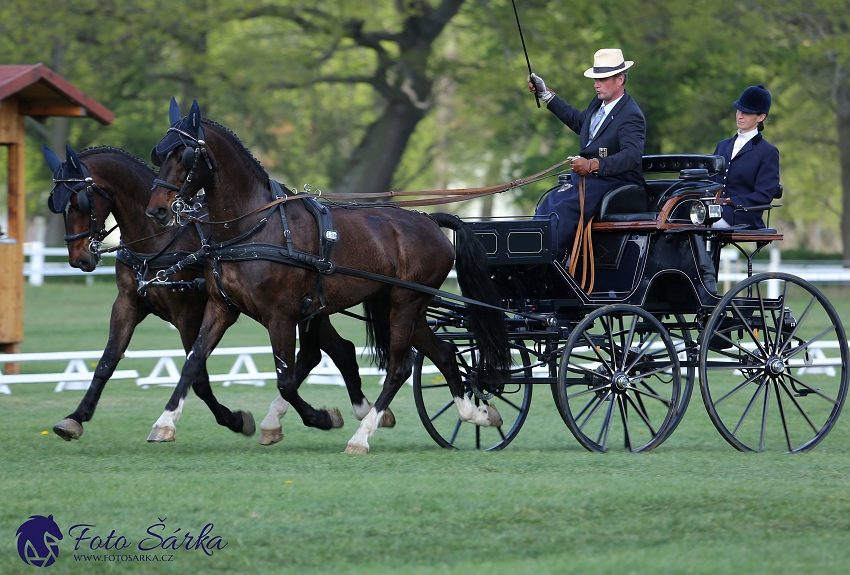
(403, 314)
(282, 335)
(239, 421)
(442, 354)
(344, 355)
(217, 318)
(309, 356)
(123, 321)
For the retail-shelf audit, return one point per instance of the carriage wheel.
(688, 358)
(765, 379)
(437, 408)
(619, 376)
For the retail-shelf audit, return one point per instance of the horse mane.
(82, 154)
(256, 166)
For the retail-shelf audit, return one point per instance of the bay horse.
(400, 245)
(119, 183)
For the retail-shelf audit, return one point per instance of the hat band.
(603, 69)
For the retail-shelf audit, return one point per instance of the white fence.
(732, 266)
(76, 375)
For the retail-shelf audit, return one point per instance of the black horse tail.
(473, 277)
(377, 336)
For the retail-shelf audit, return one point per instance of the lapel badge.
(603, 152)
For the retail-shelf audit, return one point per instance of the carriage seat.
(625, 204)
(632, 204)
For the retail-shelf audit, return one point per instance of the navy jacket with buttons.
(619, 147)
(751, 178)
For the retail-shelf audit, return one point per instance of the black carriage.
(622, 340)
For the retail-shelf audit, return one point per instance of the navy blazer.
(618, 144)
(751, 178)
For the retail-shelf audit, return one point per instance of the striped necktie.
(594, 124)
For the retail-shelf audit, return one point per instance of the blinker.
(155, 157)
(188, 159)
(83, 201)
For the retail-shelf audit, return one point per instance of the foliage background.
(422, 94)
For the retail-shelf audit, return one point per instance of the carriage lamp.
(698, 213)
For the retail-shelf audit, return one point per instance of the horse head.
(81, 198)
(185, 164)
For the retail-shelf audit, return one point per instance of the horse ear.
(53, 161)
(71, 157)
(174, 114)
(195, 117)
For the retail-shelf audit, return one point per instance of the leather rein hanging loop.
(583, 245)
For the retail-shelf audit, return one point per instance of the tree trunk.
(370, 169)
(843, 119)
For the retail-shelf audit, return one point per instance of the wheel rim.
(437, 411)
(766, 378)
(619, 374)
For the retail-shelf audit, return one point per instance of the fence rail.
(732, 266)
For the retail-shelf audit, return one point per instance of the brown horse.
(120, 183)
(403, 246)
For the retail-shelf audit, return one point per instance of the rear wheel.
(437, 410)
(773, 365)
(619, 376)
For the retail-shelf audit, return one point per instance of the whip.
(536, 96)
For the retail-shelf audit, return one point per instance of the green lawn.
(543, 505)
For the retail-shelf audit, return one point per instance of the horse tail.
(474, 279)
(377, 336)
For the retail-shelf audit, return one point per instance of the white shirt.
(606, 108)
(741, 140)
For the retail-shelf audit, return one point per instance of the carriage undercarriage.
(622, 360)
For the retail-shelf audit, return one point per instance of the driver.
(612, 131)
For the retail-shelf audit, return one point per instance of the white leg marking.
(361, 410)
(277, 410)
(471, 414)
(365, 431)
(169, 418)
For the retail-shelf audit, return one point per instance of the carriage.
(622, 340)
(620, 335)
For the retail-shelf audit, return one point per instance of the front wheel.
(437, 410)
(620, 375)
(773, 364)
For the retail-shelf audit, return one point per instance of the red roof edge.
(23, 76)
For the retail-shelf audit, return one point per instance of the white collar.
(610, 105)
(744, 138)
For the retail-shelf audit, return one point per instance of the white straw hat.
(608, 62)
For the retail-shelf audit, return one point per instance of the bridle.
(189, 160)
(85, 189)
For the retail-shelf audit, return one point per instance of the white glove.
(536, 84)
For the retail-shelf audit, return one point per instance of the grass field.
(543, 505)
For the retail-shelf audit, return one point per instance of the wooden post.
(12, 244)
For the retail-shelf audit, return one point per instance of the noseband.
(86, 204)
(189, 160)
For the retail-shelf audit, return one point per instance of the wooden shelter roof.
(42, 92)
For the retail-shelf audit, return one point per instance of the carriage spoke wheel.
(437, 409)
(768, 377)
(619, 378)
(688, 352)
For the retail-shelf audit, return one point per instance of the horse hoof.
(161, 435)
(494, 416)
(357, 449)
(336, 417)
(68, 429)
(249, 428)
(388, 419)
(270, 436)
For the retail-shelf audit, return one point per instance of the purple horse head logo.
(38, 541)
